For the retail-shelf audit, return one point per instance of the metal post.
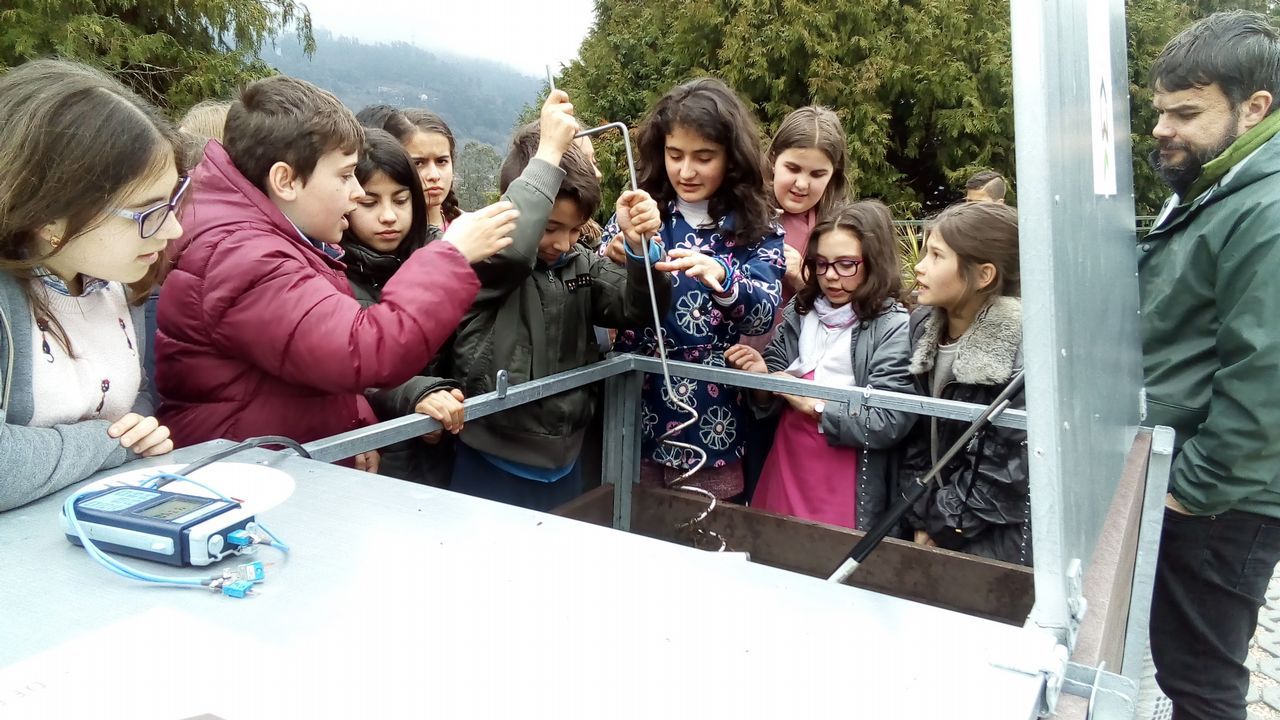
(622, 429)
(1144, 567)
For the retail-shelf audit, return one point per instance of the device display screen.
(173, 508)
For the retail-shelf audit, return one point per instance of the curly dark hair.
(711, 109)
(871, 223)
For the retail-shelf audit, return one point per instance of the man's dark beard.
(1181, 177)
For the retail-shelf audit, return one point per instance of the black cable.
(249, 444)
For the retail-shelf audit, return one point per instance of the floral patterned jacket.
(698, 328)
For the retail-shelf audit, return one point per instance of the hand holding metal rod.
(877, 533)
(667, 438)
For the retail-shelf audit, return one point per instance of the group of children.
(321, 277)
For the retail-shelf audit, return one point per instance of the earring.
(55, 241)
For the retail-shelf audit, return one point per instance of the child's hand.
(369, 461)
(614, 250)
(484, 232)
(806, 406)
(705, 268)
(638, 217)
(445, 406)
(746, 358)
(143, 435)
(557, 127)
(795, 261)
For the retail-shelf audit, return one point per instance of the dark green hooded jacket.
(1209, 279)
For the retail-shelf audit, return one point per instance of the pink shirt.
(797, 229)
(806, 477)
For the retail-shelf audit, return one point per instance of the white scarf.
(824, 329)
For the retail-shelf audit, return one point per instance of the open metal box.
(1098, 479)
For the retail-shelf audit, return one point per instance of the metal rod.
(877, 533)
(403, 428)
(382, 434)
(626, 137)
(695, 456)
(622, 451)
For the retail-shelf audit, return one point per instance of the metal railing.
(1141, 224)
(386, 433)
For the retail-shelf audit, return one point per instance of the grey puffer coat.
(881, 356)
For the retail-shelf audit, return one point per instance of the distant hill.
(480, 99)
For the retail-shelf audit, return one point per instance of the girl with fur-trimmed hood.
(966, 340)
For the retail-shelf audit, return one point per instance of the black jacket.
(536, 321)
(368, 271)
(981, 503)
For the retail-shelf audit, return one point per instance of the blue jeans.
(474, 475)
(1211, 580)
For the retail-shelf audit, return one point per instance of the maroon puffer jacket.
(259, 334)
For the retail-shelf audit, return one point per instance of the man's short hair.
(1237, 50)
(989, 182)
(579, 185)
(284, 119)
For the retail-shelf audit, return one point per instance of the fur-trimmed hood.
(988, 353)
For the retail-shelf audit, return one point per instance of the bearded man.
(1209, 279)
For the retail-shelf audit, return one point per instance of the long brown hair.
(871, 223)
(981, 233)
(818, 128)
(72, 142)
(429, 122)
(708, 107)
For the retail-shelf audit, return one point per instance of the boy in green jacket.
(534, 317)
(1210, 302)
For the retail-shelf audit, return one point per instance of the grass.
(910, 246)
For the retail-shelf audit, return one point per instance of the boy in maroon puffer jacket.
(258, 332)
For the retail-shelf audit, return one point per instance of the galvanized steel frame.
(1081, 341)
(623, 376)
(622, 404)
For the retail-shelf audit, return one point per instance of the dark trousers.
(759, 441)
(1211, 580)
(474, 475)
(149, 314)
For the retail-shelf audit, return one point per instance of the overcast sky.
(527, 35)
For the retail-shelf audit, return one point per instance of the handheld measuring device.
(153, 524)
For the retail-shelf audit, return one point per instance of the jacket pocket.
(1184, 420)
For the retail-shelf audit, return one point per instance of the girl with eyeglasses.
(90, 185)
(845, 327)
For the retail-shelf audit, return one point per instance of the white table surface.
(402, 600)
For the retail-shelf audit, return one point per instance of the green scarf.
(1244, 146)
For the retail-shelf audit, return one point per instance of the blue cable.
(115, 565)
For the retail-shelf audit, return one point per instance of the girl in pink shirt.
(807, 158)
